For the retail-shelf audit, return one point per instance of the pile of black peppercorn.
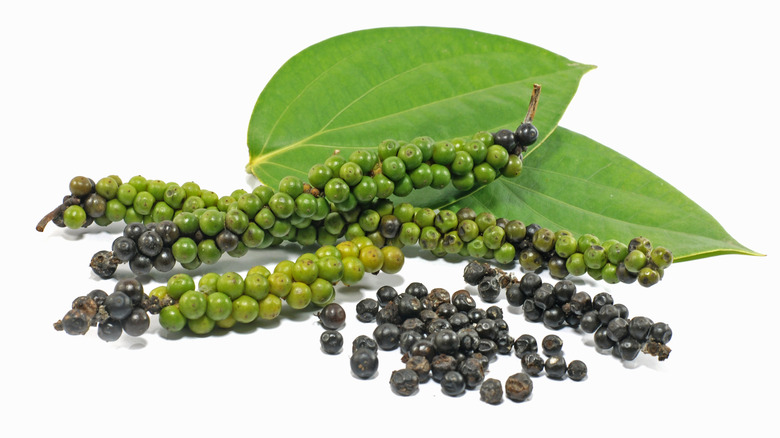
(442, 337)
(562, 305)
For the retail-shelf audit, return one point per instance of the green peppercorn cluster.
(399, 167)
(143, 200)
(223, 300)
(227, 299)
(610, 260)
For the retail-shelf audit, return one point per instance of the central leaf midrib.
(304, 141)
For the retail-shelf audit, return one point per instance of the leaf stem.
(529, 116)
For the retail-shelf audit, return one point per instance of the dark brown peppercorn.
(519, 387)
(472, 372)
(441, 365)
(421, 366)
(404, 381)
(491, 391)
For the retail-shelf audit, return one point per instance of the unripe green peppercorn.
(661, 257)
(468, 230)
(575, 264)
(409, 234)
(595, 257)
(505, 253)
(585, 241)
(617, 252)
(635, 261)
(494, 236)
(544, 240)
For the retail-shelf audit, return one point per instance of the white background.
(165, 89)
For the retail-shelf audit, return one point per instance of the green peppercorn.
(393, 259)
(575, 264)
(648, 276)
(505, 253)
(445, 220)
(565, 245)
(609, 273)
(635, 261)
(299, 296)
(544, 240)
(468, 230)
(451, 242)
(218, 306)
(493, 237)
(178, 284)
(661, 257)
(353, 270)
(476, 248)
(617, 252)
(586, 241)
(171, 319)
(595, 257)
(424, 217)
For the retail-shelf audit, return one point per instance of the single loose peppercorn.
(409, 306)
(445, 310)
(474, 272)
(514, 295)
(413, 324)
(386, 294)
(331, 341)
(332, 316)
(532, 363)
(441, 364)
(424, 347)
(417, 290)
(387, 336)
(577, 370)
(468, 338)
(407, 339)
(525, 344)
(555, 367)
(421, 366)
(554, 318)
(364, 363)
(404, 381)
(552, 345)
(367, 309)
(472, 372)
(446, 341)
(504, 341)
(491, 391)
(531, 311)
(519, 387)
(453, 383)
(364, 341)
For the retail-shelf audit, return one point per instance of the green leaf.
(578, 184)
(355, 90)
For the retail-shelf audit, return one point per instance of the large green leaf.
(575, 183)
(355, 90)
